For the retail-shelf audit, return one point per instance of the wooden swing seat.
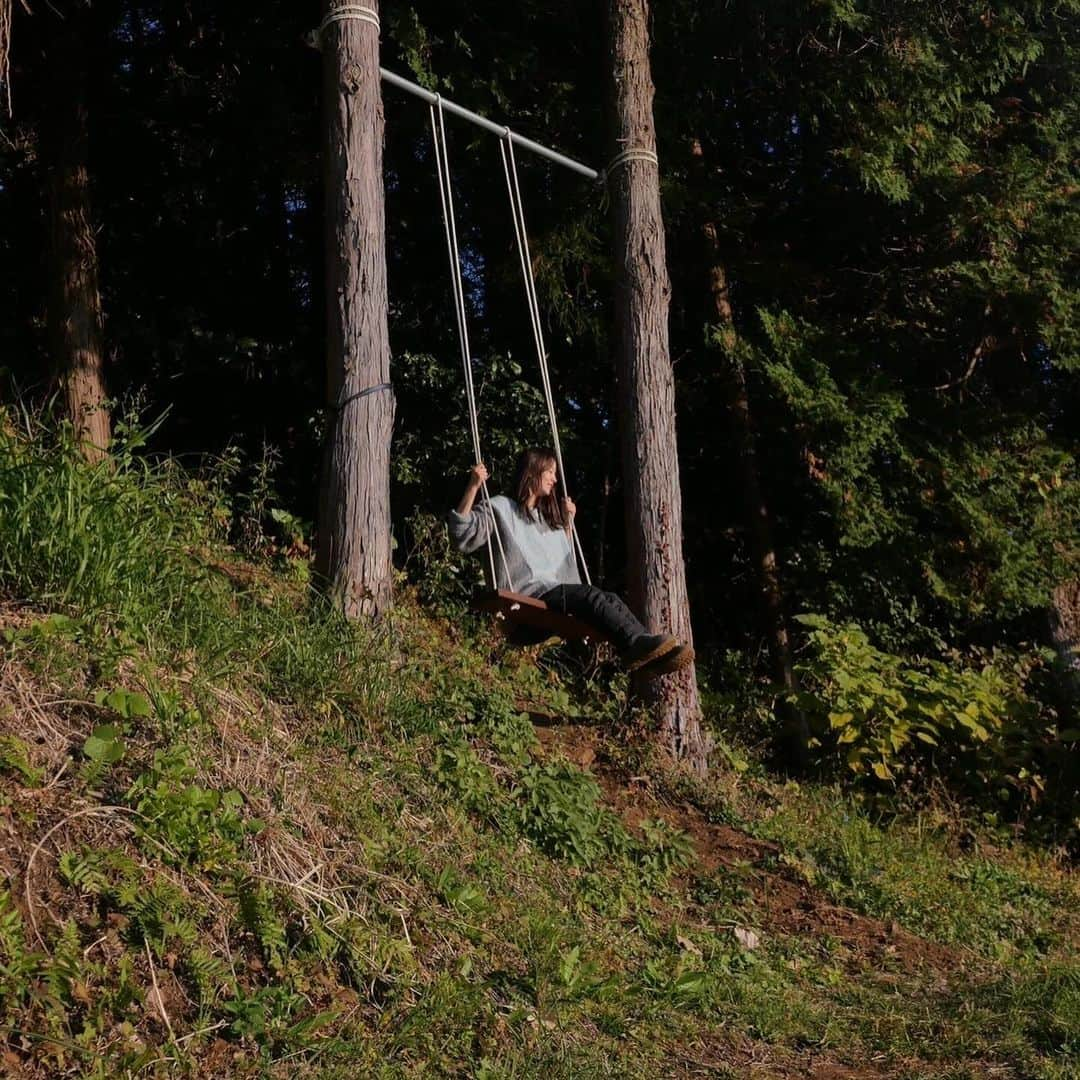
(514, 611)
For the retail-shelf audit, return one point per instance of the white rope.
(446, 197)
(345, 13)
(634, 153)
(517, 208)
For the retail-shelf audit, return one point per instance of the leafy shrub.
(561, 812)
(445, 579)
(888, 715)
(662, 850)
(459, 769)
(200, 825)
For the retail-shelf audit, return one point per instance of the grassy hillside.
(241, 838)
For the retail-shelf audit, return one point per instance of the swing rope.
(446, 196)
(517, 208)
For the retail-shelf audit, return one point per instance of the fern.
(14, 757)
(209, 973)
(159, 913)
(65, 967)
(258, 915)
(84, 870)
(17, 964)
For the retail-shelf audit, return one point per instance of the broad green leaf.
(104, 745)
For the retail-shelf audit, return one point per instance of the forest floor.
(240, 838)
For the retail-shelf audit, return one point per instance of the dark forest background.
(873, 231)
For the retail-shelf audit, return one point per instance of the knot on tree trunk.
(353, 78)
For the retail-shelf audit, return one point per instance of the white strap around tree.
(446, 196)
(517, 209)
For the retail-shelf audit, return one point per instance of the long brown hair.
(531, 465)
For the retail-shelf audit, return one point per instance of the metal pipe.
(487, 125)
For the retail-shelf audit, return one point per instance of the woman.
(535, 533)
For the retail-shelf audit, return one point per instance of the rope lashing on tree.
(340, 405)
(345, 13)
(633, 153)
(517, 209)
(446, 196)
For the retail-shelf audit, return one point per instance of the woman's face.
(547, 479)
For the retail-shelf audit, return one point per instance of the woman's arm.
(568, 512)
(478, 474)
(470, 529)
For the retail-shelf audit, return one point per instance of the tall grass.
(106, 538)
(137, 548)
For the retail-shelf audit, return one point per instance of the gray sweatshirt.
(537, 556)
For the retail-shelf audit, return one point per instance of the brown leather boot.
(666, 663)
(647, 649)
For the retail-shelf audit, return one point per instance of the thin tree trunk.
(1065, 634)
(646, 391)
(759, 523)
(75, 323)
(604, 511)
(354, 506)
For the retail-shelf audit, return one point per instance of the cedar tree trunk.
(645, 385)
(75, 323)
(354, 502)
(759, 525)
(1065, 634)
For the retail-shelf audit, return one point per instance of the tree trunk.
(354, 505)
(646, 391)
(1065, 634)
(75, 323)
(759, 525)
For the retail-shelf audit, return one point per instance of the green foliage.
(64, 968)
(104, 538)
(47, 629)
(129, 704)
(105, 745)
(258, 912)
(561, 812)
(209, 974)
(448, 944)
(914, 872)
(458, 768)
(663, 849)
(88, 870)
(271, 1015)
(445, 578)
(889, 716)
(18, 964)
(14, 757)
(460, 894)
(963, 516)
(198, 825)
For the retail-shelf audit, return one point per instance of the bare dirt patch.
(785, 903)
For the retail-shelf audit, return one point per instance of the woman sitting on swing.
(537, 555)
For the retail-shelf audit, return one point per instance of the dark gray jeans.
(603, 610)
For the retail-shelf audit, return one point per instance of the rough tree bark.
(75, 322)
(1065, 634)
(354, 556)
(645, 382)
(759, 524)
